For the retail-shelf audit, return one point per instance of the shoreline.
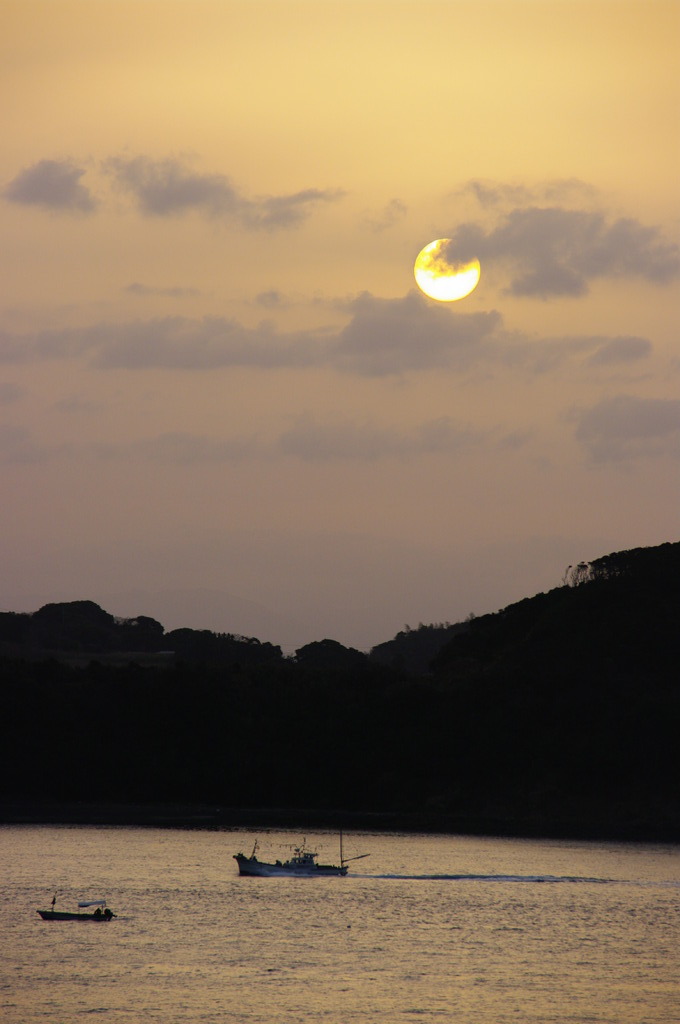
(209, 817)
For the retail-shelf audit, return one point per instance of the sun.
(441, 279)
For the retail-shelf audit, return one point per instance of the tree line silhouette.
(556, 715)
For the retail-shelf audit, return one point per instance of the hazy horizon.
(220, 611)
(220, 388)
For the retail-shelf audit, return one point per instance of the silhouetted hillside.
(557, 715)
(615, 618)
(572, 698)
(83, 628)
(414, 650)
(325, 654)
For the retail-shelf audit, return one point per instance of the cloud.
(68, 343)
(343, 439)
(171, 293)
(626, 427)
(382, 337)
(492, 194)
(180, 343)
(312, 441)
(287, 211)
(553, 250)
(548, 354)
(174, 343)
(181, 448)
(392, 336)
(271, 299)
(391, 214)
(621, 350)
(18, 446)
(53, 184)
(163, 188)
(309, 439)
(388, 336)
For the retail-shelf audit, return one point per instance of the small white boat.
(303, 864)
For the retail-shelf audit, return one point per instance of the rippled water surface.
(428, 929)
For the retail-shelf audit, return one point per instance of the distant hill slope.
(413, 650)
(81, 631)
(630, 601)
(616, 618)
(558, 715)
(568, 703)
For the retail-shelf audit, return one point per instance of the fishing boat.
(84, 913)
(302, 864)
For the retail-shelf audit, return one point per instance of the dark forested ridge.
(557, 715)
(78, 631)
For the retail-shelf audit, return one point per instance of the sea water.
(428, 929)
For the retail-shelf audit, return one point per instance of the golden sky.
(223, 401)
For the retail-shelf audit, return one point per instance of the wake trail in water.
(552, 879)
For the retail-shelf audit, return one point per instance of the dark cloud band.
(383, 337)
(551, 247)
(164, 188)
(52, 185)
